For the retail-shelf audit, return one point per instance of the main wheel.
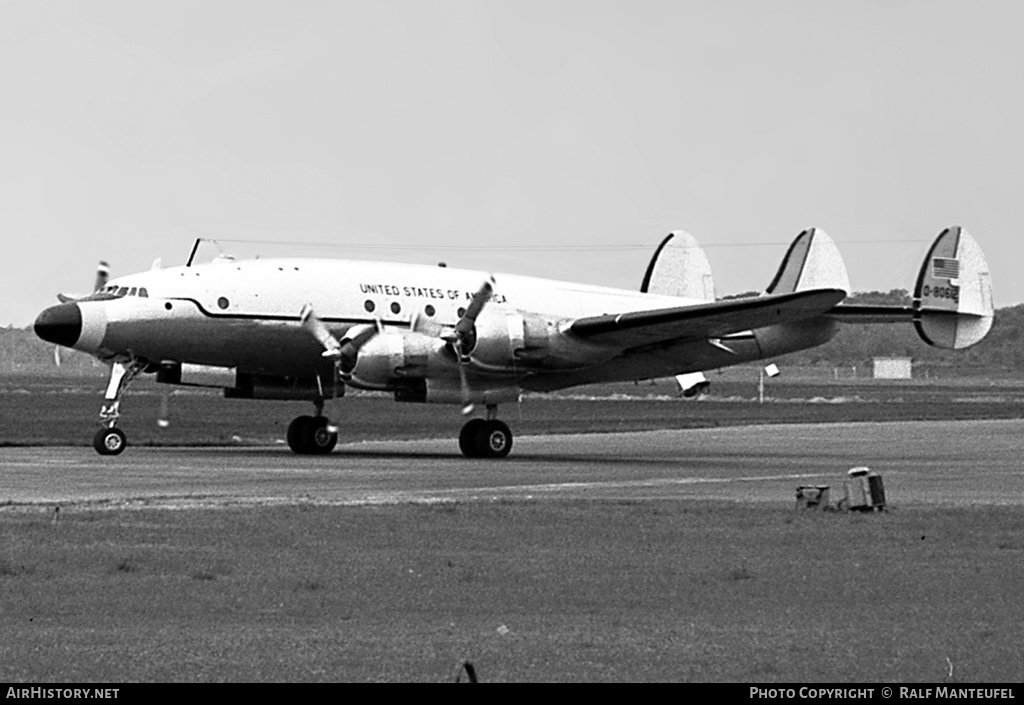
(317, 438)
(468, 438)
(493, 439)
(297, 432)
(109, 441)
(309, 435)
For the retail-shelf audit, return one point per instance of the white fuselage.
(244, 315)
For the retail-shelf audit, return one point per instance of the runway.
(954, 462)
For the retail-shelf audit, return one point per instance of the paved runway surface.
(955, 462)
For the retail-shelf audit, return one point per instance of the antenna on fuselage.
(195, 248)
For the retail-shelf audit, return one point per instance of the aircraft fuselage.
(244, 315)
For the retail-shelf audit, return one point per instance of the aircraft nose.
(60, 324)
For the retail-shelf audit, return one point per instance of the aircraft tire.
(493, 439)
(109, 441)
(317, 439)
(297, 433)
(468, 442)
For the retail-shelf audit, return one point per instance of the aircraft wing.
(711, 320)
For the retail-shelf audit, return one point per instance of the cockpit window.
(132, 291)
(123, 291)
(143, 293)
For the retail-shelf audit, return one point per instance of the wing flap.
(712, 320)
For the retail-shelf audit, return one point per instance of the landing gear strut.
(486, 438)
(312, 435)
(111, 440)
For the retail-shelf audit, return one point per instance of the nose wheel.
(109, 441)
(485, 438)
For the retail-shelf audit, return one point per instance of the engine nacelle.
(393, 356)
(189, 375)
(504, 338)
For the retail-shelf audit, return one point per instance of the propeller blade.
(315, 327)
(463, 337)
(102, 275)
(344, 352)
(163, 419)
(360, 336)
(56, 355)
(425, 325)
(476, 305)
(467, 405)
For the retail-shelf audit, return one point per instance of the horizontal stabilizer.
(812, 262)
(680, 268)
(953, 295)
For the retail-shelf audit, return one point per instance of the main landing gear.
(312, 435)
(486, 438)
(110, 440)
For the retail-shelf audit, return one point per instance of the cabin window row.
(396, 308)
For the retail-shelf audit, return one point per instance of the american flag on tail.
(945, 268)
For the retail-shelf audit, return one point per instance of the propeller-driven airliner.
(308, 329)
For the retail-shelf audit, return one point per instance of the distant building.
(893, 368)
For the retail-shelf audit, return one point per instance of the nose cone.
(61, 324)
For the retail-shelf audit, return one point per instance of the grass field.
(526, 591)
(533, 591)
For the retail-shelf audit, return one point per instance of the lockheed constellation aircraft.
(307, 329)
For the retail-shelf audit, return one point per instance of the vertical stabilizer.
(953, 296)
(680, 268)
(812, 262)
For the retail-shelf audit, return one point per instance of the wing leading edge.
(712, 320)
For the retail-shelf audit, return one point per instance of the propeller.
(102, 277)
(463, 337)
(345, 352)
(315, 327)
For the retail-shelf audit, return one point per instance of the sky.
(552, 139)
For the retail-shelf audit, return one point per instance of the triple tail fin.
(953, 296)
(952, 305)
(680, 268)
(812, 262)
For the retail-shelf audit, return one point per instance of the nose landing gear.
(111, 440)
